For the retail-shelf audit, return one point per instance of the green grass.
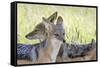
(79, 22)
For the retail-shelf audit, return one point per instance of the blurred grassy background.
(79, 22)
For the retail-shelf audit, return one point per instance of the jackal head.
(39, 32)
(48, 28)
(55, 30)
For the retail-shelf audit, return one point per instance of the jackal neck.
(52, 48)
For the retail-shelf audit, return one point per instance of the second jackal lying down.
(76, 52)
(67, 52)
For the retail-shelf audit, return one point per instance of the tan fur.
(44, 54)
(91, 55)
(24, 62)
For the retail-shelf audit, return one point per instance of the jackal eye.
(56, 34)
(63, 33)
(36, 30)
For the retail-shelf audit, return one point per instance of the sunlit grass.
(79, 22)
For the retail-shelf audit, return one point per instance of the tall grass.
(79, 22)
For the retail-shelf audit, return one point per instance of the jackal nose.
(28, 37)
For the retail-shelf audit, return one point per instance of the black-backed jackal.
(47, 50)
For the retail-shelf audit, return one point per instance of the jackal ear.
(47, 24)
(53, 17)
(60, 20)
